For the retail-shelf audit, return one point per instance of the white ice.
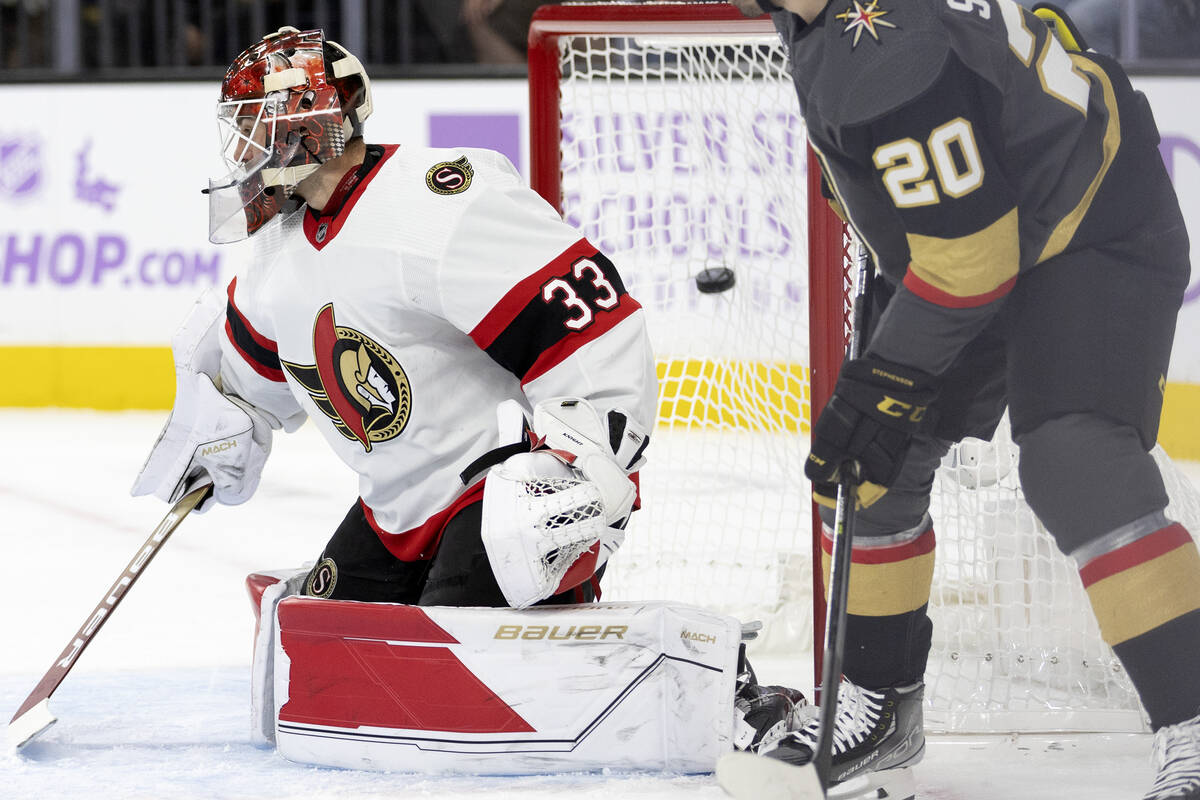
(157, 707)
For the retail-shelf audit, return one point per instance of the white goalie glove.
(553, 516)
(209, 435)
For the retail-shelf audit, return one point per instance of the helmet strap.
(288, 176)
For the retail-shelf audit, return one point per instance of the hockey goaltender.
(481, 367)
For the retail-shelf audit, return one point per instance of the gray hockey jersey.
(966, 146)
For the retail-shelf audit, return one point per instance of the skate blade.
(745, 776)
(888, 784)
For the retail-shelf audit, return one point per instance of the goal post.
(670, 134)
(559, 39)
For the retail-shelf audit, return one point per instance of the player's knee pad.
(906, 503)
(1069, 466)
(892, 569)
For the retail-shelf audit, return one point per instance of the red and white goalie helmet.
(288, 104)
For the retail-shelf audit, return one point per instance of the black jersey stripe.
(550, 314)
(261, 353)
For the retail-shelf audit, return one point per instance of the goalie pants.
(1079, 355)
(356, 566)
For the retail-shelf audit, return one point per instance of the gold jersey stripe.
(886, 589)
(969, 266)
(1062, 234)
(1141, 598)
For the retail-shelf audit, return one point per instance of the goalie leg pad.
(503, 692)
(267, 589)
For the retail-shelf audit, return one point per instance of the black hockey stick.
(841, 555)
(34, 715)
(835, 621)
(748, 776)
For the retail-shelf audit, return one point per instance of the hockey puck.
(715, 279)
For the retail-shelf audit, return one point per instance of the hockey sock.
(1143, 581)
(887, 629)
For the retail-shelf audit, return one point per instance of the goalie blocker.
(483, 691)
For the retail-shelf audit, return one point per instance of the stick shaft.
(835, 626)
(100, 614)
(842, 551)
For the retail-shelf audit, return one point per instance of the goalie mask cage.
(670, 134)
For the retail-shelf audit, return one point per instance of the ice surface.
(158, 706)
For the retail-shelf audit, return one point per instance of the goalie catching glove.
(553, 516)
(876, 409)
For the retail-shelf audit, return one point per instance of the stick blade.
(26, 727)
(746, 776)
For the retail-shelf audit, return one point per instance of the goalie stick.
(34, 715)
(746, 775)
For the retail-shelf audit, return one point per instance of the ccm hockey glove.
(875, 410)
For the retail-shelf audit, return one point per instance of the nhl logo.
(322, 229)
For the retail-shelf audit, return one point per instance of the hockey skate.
(878, 736)
(764, 713)
(1176, 758)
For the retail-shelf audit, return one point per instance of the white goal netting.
(683, 152)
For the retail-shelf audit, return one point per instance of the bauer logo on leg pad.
(559, 633)
(322, 580)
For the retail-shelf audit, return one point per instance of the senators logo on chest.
(355, 382)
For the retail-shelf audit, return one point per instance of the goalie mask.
(288, 104)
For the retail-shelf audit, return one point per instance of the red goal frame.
(830, 278)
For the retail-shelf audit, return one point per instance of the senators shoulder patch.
(450, 177)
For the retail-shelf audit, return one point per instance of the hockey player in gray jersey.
(1031, 254)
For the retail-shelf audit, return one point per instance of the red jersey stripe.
(334, 223)
(1141, 551)
(927, 291)
(562, 350)
(889, 554)
(246, 340)
(420, 543)
(518, 297)
(263, 341)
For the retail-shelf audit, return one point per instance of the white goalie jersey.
(438, 288)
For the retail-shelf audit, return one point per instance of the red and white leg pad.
(267, 589)
(627, 686)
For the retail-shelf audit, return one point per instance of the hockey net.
(670, 134)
